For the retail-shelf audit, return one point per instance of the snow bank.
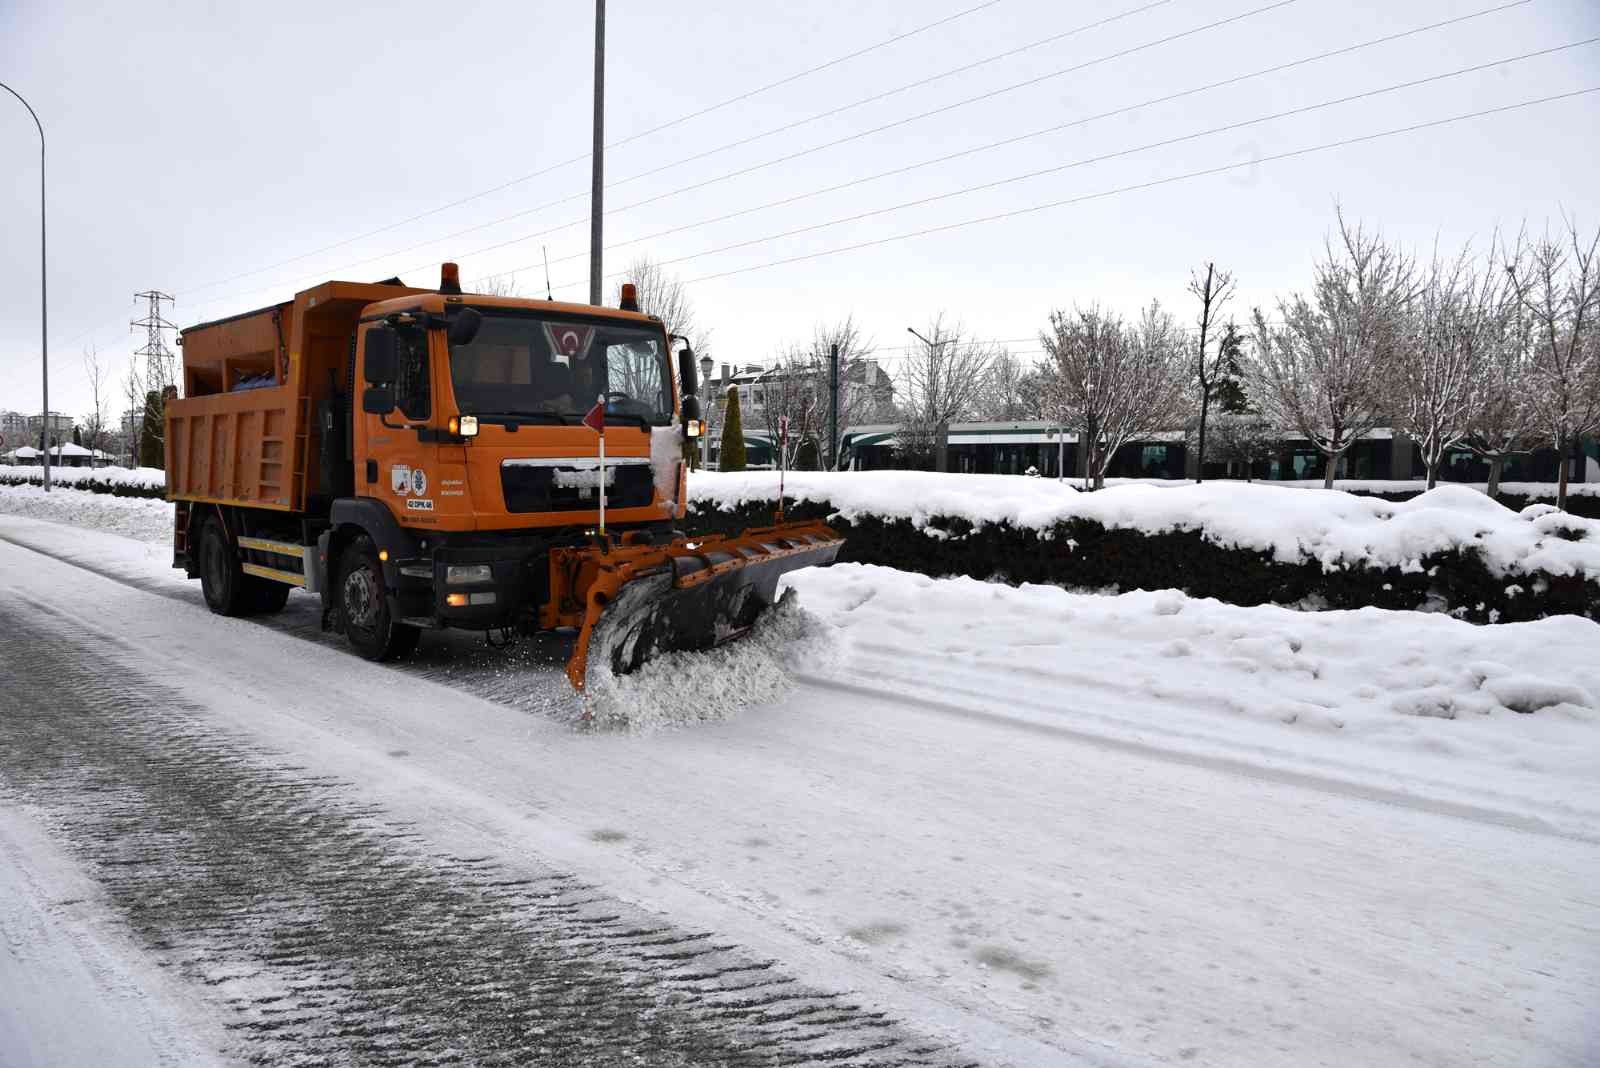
(133, 517)
(137, 482)
(1532, 490)
(1513, 709)
(1333, 528)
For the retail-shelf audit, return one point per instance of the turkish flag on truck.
(596, 419)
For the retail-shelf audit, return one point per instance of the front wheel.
(364, 606)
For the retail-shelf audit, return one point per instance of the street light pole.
(44, 297)
(708, 411)
(598, 156)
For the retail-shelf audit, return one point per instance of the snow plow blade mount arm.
(632, 601)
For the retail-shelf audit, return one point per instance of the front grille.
(556, 487)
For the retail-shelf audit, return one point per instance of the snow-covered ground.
(1056, 828)
(135, 517)
(1338, 529)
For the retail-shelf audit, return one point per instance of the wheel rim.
(361, 598)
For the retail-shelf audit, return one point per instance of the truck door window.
(633, 368)
(412, 392)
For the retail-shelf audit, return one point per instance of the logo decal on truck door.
(400, 479)
(419, 482)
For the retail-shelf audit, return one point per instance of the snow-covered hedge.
(119, 481)
(1583, 498)
(1452, 548)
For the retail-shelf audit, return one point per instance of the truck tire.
(364, 608)
(221, 581)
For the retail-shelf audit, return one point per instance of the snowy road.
(395, 864)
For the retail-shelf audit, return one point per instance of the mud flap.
(697, 596)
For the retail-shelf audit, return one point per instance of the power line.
(1154, 183)
(791, 156)
(738, 98)
(1164, 143)
(786, 158)
(1057, 128)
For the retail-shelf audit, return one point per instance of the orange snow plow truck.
(420, 459)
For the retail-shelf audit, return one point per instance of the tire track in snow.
(942, 698)
(330, 935)
(527, 676)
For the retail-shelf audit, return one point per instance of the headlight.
(692, 428)
(469, 426)
(461, 574)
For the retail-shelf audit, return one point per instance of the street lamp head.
(705, 368)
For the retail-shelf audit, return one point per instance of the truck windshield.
(527, 366)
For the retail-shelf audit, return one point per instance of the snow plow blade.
(640, 600)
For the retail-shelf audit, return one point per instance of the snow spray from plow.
(634, 601)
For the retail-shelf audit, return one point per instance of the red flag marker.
(596, 419)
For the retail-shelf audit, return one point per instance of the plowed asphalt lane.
(329, 861)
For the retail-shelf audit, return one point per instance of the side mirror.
(377, 400)
(464, 327)
(688, 377)
(691, 409)
(379, 358)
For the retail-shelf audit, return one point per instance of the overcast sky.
(216, 151)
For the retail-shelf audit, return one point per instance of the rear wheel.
(364, 607)
(221, 581)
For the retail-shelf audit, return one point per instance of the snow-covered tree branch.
(1321, 372)
(1115, 382)
(1557, 285)
(1438, 374)
(943, 379)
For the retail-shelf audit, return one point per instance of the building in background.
(866, 391)
(1016, 447)
(19, 428)
(13, 429)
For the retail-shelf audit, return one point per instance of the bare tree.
(943, 380)
(1113, 381)
(133, 392)
(1246, 439)
(663, 295)
(1010, 389)
(1505, 422)
(1437, 376)
(796, 390)
(1557, 284)
(1321, 372)
(1213, 291)
(95, 424)
(866, 394)
(497, 285)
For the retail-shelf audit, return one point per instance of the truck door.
(394, 464)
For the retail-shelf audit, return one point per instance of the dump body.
(420, 459)
(243, 433)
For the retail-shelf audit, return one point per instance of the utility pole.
(598, 157)
(158, 358)
(44, 299)
(833, 408)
